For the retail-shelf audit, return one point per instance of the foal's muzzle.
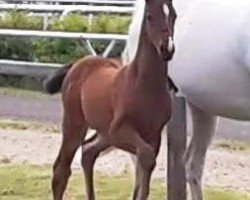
(167, 49)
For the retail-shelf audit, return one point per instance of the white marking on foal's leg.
(166, 9)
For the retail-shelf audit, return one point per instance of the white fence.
(11, 67)
(66, 8)
(73, 2)
(63, 10)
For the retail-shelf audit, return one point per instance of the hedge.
(56, 50)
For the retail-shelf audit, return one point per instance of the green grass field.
(33, 183)
(20, 125)
(26, 93)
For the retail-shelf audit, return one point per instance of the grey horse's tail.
(53, 83)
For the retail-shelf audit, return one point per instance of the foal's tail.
(53, 83)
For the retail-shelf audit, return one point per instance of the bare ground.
(24, 105)
(225, 168)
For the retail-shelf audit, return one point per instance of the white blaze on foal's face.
(166, 9)
(170, 42)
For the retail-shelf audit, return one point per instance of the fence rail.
(66, 35)
(72, 2)
(11, 67)
(67, 8)
(84, 38)
(24, 68)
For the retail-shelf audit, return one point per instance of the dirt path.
(224, 168)
(44, 108)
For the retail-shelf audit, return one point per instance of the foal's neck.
(147, 66)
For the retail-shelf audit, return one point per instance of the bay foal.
(128, 106)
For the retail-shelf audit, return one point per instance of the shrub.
(110, 24)
(72, 22)
(57, 50)
(16, 48)
(20, 20)
(53, 50)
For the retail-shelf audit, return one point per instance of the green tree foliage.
(57, 50)
(20, 20)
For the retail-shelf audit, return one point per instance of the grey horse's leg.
(203, 131)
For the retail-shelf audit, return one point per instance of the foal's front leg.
(91, 150)
(143, 177)
(128, 139)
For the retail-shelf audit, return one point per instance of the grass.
(33, 183)
(10, 124)
(215, 194)
(233, 145)
(17, 92)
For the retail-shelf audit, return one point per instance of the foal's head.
(159, 21)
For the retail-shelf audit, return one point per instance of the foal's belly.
(96, 101)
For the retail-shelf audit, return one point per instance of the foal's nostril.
(162, 48)
(166, 30)
(167, 49)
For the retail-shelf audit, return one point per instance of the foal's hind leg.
(74, 130)
(203, 131)
(91, 150)
(72, 138)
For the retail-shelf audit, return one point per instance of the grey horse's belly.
(211, 62)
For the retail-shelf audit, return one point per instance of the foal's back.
(92, 79)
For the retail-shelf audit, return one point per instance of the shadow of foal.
(128, 106)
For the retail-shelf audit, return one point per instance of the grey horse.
(211, 67)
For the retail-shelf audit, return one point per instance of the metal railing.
(21, 68)
(73, 2)
(64, 8)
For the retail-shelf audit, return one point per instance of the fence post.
(177, 138)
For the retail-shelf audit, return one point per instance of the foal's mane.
(134, 33)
